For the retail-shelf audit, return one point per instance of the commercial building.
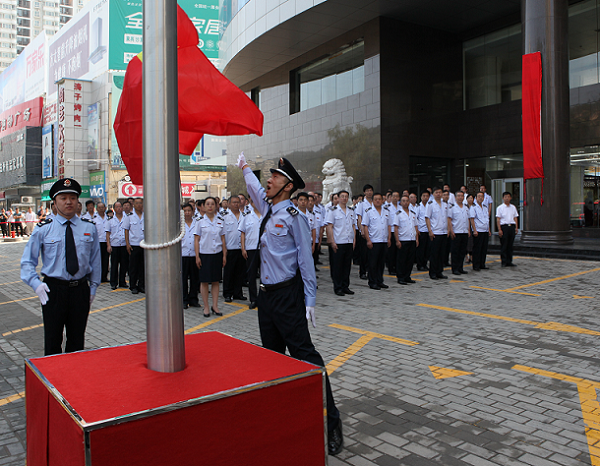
(414, 94)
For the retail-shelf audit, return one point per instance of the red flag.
(532, 117)
(208, 102)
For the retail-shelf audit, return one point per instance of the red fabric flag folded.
(532, 117)
(208, 102)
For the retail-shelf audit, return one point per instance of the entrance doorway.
(513, 186)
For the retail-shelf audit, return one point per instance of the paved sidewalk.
(499, 367)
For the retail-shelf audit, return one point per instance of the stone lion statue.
(335, 178)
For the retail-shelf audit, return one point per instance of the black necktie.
(71, 251)
(263, 225)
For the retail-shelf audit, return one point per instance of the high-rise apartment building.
(22, 20)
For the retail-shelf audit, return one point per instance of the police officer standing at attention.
(71, 268)
(288, 284)
(341, 225)
(507, 219)
(458, 228)
(436, 217)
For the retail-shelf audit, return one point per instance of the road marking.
(17, 300)
(119, 289)
(582, 297)
(91, 312)
(557, 326)
(504, 291)
(11, 398)
(11, 283)
(366, 337)
(590, 408)
(543, 282)
(445, 373)
(243, 308)
(10, 270)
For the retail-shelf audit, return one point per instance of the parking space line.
(17, 300)
(504, 291)
(543, 282)
(557, 326)
(243, 308)
(11, 283)
(11, 398)
(375, 335)
(590, 408)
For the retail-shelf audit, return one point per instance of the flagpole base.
(546, 238)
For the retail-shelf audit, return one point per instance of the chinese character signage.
(47, 151)
(127, 189)
(126, 21)
(20, 116)
(93, 146)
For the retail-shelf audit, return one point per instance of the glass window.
(333, 77)
(583, 44)
(492, 68)
(585, 186)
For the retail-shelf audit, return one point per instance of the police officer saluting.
(288, 281)
(70, 259)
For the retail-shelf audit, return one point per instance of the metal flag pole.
(164, 308)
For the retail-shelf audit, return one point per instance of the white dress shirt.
(405, 225)
(438, 217)
(507, 214)
(135, 224)
(101, 226)
(481, 217)
(459, 217)
(116, 230)
(210, 233)
(343, 224)
(250, 226)
(422, 224)
(233, 235)
(378, 224)
(187, 243)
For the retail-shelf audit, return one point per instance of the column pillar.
(545, 30)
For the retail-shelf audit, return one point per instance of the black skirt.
(212, 267)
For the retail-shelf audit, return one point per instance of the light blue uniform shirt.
(135, 225)
(250, 226)
(286, 243)
(49, 240)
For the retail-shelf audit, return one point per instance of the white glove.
(241, 161)
(42, 292)
(310, 315)
(92, 296)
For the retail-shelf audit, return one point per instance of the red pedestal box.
(234, 404)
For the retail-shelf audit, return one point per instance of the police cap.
(286, 169)
(66, 185)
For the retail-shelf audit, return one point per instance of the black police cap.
(286, 169)
(66, 185)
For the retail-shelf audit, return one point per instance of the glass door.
(513, 186)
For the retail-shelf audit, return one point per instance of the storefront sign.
(20, 116)
(93, 139)
(133, 190)
(49, 114)
(47, 151)
(72, 96)
(98, 186)
(45, 188)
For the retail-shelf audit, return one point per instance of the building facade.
(410, 96)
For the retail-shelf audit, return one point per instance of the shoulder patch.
(220, 218)
(292, 211)
(224, 212)
(368, 208)
(88, 220)
(44, 222)
(430, 202)
(386, 207)
(333, 207)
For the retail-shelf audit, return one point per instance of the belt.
(276, 286)
(69, 283)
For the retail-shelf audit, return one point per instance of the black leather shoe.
(348, 291)
(455, 273)
(135, 291)
(252, 305)
(123, 285)
(463, 272)
(228, 299)
(363, 276)
(113, 287)
(340, 293)
(402, 282)
(434, 277)
(442, 276)
(206, 315)
(485, 268)
(212, 309)
(194, 305)
(476, 270)
(374, 287)
(185, 306)
(383, 286)
(335, 442)
(410, 281)
(142, 290)
(512, 265)
(240, 298)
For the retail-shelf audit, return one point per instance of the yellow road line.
(590, 408)
(553, 279)
(505, 291)
(119, 289)
(375, 335)
(91, 312)
(348, 353)
(17, 300)
(10, 270)
(11, 283)
(11, 398)
(557, 326)
(243, 308)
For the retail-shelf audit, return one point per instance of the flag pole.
(164, 301)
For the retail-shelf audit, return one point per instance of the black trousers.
(67, 308)
(341, 264)
(104, 255)
(436, 256)
(315, 254)
(364, 258)
(137, 279)
(424, 250)
(447, 249)
(119, 265)
(506, 243)
(376, 263)
(356, 252)
(405, 259)
(5, 229)
(190, 279)
(233, 274)
(282, 322)
(18, 228)
(459, 250)
(251, 273)
(480, 245)
(391, 257)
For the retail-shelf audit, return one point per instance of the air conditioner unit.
(26, 200)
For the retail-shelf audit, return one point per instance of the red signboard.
(49, 114)
(134, 190)
(20, 116)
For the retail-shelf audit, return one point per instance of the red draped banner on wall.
(532, 118)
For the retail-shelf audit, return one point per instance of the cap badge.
(67, 183)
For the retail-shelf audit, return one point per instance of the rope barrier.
(144, 245)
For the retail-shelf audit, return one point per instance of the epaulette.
(398, 211)
(430, 202)
(333, 207)
(88, 220)
(220, 218)
(245, 213)
(292, 211)
(386, 207)
(46, 221)
(224, 212)
(368, 208)
(200, 217)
